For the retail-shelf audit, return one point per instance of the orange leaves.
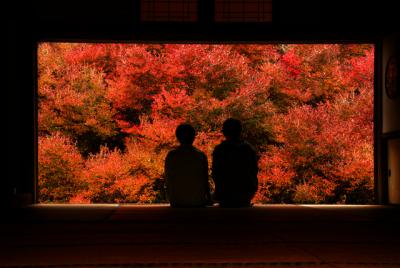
(115, 177)
(174, 103)
(332, 140)
(60, 167)
(156, 130)
(292, 63)
(315, 191)
(72, 95)
(308, 109)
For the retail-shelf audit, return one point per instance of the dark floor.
(159, 236)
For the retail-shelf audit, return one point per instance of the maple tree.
(108, 113)
(60, 168)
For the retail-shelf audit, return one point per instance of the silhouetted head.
(185, 134)
(232, 128)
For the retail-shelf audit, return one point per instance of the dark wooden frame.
(30, 30)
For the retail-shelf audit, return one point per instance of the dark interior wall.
(390, 111)
(19, 103)
(391, 126)
(96, 20)
(292, 19)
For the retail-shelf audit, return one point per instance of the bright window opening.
(107, 115)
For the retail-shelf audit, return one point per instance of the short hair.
(232, 128)
(185, 134)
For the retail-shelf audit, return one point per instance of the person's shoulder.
(172, 152)
(247, 146)
(224, 143)
(220, 146)
(199, 152)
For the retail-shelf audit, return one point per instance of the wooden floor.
(159, 236)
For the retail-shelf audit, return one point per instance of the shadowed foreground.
(158, 236)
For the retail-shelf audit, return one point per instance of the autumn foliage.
(108, 112)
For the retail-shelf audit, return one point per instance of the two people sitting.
(234, 170)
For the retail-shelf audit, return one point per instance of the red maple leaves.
(108, 112)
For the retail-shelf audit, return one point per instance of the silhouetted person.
(234, 168)
(186, 172)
